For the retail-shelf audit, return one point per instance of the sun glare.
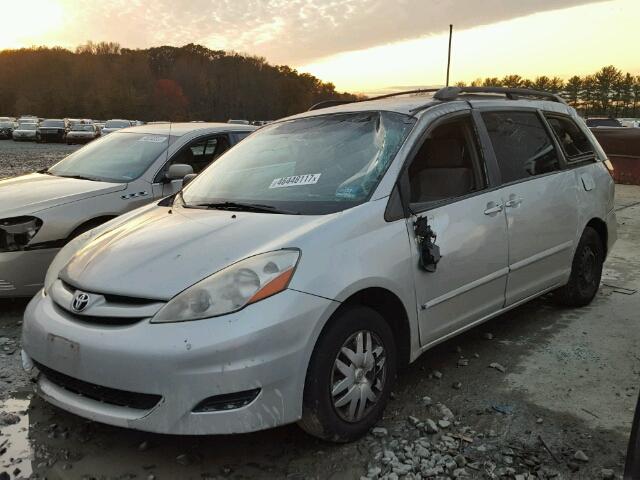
(29, 23)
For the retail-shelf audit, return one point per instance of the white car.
(41, 212)
(292, 278)
(25, 131)
(82, 133)
(114, 125)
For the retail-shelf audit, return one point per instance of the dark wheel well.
(600, 227)
(392, 310)
(88, 225)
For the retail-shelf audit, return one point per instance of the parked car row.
(69, 130)
(301, 268)
(608, 122)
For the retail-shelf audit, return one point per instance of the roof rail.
(333, 103)
(328, 103)
(451, 93)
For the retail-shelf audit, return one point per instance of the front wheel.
(586, 271)
(350, 376)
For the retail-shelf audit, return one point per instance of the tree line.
(608, 91)
(103, 80)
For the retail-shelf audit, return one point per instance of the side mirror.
(187, 179)
(178, 171)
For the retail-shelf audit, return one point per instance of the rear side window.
(574, 143)
(522, 145)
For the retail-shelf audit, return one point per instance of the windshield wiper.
(79, 177)
(244, 207)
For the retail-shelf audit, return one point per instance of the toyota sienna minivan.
(292, 278)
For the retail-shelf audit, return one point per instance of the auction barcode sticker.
(308, 179)
(153, 138)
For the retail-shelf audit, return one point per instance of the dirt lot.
(561, 408)
(17, 158)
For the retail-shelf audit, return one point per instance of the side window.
(448, 164)
(574, 143)
(521, 143)
(201, 153)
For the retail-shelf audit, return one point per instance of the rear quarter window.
(573, 141)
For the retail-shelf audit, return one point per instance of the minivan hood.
(160, 253)
(34, 192)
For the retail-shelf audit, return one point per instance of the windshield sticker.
(153, 138)
(295, 180)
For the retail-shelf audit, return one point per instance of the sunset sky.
(360, 45)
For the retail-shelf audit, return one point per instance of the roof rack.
(333, 103)
(451, 93)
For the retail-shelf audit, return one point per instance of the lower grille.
(227, 401)
(6, 286)
(112, 396)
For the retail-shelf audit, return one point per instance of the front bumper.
(22, 273)
(265, 346)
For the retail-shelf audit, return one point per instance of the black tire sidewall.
(317, 395)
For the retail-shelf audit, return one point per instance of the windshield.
(6, 124)
(28, 126)
(53, 123)
(82, 128)
(117, 124)
(311, 165)
(119, 157)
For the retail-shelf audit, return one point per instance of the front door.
(540, 202)
(450, 187)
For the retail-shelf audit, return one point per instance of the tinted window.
(201, 153)
(573, 141)
(603, 122)
(521, 143)
(53, 123)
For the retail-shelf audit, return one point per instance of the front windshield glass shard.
(311, 165)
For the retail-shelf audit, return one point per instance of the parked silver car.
(42, 211)
(82, 133)
(292, 278)
(114, 125)
(25, 131)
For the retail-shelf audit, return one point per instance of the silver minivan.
(292, 279)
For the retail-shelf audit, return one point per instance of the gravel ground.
(539, 392)
(18, 158)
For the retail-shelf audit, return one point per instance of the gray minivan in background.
(293, 277)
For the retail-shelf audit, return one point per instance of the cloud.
(292, 32)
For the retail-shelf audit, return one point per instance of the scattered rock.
(379, 432)
(463, 362)
(539, 420)
(437, 374)
(7, 419)
(581, 456)
(184, 459)
(457, 385)
(445, 412)
(607, 473)
(426, 401)
(4, 476)
(143, 446)
(487, 336)
(497, 366)
(430, 426)
(444, 423)
(413, 420)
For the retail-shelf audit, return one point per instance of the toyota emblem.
(80, 301)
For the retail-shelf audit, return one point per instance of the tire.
(586, 271)
(321, 415)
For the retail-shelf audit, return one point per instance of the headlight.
(233, 288)
(17, 232)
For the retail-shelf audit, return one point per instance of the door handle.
(513, 202)
(493, 208)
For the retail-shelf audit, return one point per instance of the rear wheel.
(586, 271)
(350, 376)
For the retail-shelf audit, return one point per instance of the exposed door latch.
(429, 251)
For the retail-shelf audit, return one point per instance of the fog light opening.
(227, 401)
